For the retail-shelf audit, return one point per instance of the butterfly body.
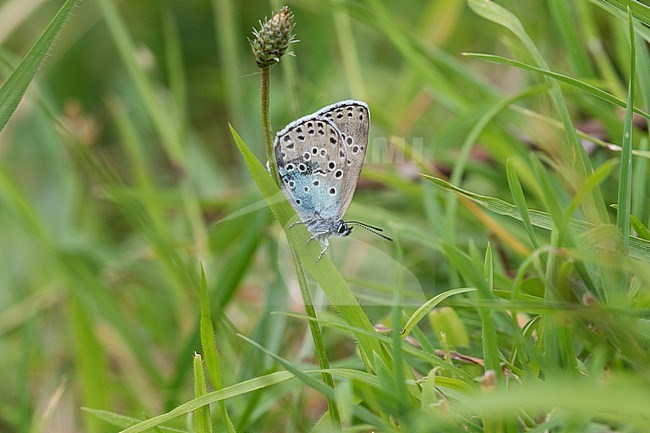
(319, 159)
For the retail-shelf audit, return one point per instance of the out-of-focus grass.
(119, 175)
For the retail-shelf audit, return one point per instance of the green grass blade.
(227, 35)
(593, 90)
(549, 196)
(399, 377)
(208, 342)
(520, 201)
(635, 8)
(349, 54)
(640, 228)
(241, 388)
(125, 421)
(625, 174)
(485, 294)
(564, 18)
(428, 306)
(324, 272)
(639, 248)
(175, 72)
(642, 30)
(598, 177)
(14, 88)
(209, 345)
(201, 418)
(640, 206)
(91, 361)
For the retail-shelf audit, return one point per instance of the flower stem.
(266, 123)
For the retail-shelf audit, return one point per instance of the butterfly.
(319, 159)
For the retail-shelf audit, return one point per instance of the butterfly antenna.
(370, 228)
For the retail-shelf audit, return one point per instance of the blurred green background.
(118, 174)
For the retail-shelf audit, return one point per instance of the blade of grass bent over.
(324, 272)
(428, 306)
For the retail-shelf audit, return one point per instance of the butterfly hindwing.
(352, 118)
(311, 162)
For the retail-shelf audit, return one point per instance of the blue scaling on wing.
(311, 162)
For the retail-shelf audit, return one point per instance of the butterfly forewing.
(312, 162)
(352, 118)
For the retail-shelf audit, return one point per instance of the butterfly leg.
(295, 223)
(318, 235)
(327, 244)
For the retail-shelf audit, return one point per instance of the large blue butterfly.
(319, 160)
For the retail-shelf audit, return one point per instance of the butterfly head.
(342, 229)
